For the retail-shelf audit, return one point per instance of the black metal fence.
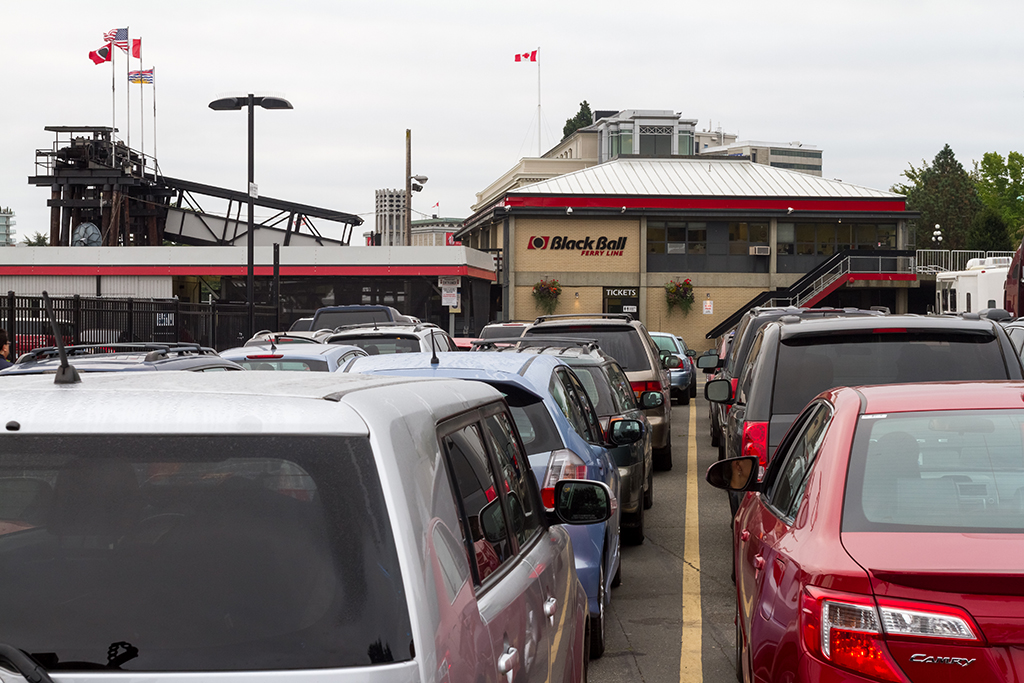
(91, 320)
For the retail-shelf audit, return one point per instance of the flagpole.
(155, 162)
(142, 112)
(128, 99)
(538, 102)
(113, 102)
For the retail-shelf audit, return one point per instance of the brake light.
(563, 464)
(641, 387)
(844, 630)
(850, 631)
(755, 442)
(890, 330)
(265, 355)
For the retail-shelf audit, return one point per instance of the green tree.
(946, 195)
(582, 119)
(1000, 185)
(37, 240)
(988, 232)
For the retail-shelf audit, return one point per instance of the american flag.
(117, 36)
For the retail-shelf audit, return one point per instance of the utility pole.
(408, 188)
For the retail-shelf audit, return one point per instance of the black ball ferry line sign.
(588, 246)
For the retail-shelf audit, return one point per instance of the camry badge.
(932, 659)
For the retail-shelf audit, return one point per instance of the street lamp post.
(250, 102)
(413, 183)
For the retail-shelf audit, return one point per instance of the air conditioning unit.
(761, 251)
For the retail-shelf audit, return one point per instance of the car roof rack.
(544, 342)
(608, 316)
(153, 350)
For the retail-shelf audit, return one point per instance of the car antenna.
(434, 360)
(273, 346)
(374, 319)
(66, 373)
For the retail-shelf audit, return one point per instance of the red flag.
(527, 57)
(137, 48)
(101, 55)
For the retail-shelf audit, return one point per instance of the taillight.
(258, 356)
(735, 382)
(755, 442)
(850, 630)
(641, 387)
(563, 464)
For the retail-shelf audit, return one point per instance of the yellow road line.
(690, 668)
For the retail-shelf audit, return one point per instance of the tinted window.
(522, 506)
(621, 342)
(284, 364)
(502, 331)
(943, 471)
(533, 421)
(378, 344)
(622, 393)
(810, 365)
(199, 554)
(579, 396)
(485, 532)
(332, 319)
(596, 385)
(786, 491)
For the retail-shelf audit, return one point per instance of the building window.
(775, 152)
(655, 141)
(677, 237)
(685, 143)
(796, 167)
(827, 239)
(743, 235)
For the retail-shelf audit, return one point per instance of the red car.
(886, 542)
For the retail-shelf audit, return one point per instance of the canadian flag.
(527, 57)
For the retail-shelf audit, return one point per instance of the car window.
(383, 344)
(564, 392)
(515, 468)
(954, 471)
(665, 343)
(201, 550)
(536, 427)
(747, 375)
(485, 529)
(622, 392)
(284, 364)
(579, 395)
(621, 342)
(811, 364)
(785, 492)
(1017, 337)
(595, 383)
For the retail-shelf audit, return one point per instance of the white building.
(7, 230)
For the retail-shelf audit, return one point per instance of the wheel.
(663, 457)
(721, 450)
(649, 493)
(634, 535)
(597, 623)
(693, 389)
(715, 435)
(617, 579)
(739, 649)
(684, 397)
(586, 651)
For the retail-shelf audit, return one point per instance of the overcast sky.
(875, 84)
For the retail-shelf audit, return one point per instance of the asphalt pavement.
(672, 619)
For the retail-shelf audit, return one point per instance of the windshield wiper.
(24, 664)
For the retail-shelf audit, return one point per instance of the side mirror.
(581, 501)
(671, 362)
(734, 474)
(651, 399)
(624, 432)
(492, 523)
(708, 361)
(691, 353)
(719, 391)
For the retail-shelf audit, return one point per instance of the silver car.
(284, 526)
(301, 357)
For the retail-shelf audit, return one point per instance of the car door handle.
(744, 535)
(550, 607)
(508, 661)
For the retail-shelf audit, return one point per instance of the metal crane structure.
(95, 178)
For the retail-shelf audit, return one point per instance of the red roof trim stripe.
(746, 204)
(391, 271)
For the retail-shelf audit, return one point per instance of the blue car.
(563, 438)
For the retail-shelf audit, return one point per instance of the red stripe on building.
(711, 204)
(363, 271)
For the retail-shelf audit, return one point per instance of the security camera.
(623, 209)
(568, 210)
(789, 209)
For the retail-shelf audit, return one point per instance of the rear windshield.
(290, 364)
(500, 331)
(948, 471)
(536, 428)
(809, 365)
(380, 344)
(623, 343)
(171, 553)
(332, 319)
(665, 343)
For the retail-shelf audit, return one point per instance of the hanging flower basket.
(679, 294)
(546, 293)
